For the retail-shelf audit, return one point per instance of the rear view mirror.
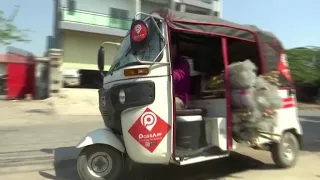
(101, 60)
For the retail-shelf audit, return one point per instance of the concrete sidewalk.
(69, 102)
(76, 102)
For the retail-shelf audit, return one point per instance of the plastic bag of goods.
(244, 131)
(244, 124)
(272, 77)
(262, 84)
(266, 95)
(243, 80)
(237, 67)
(269, 113)
(265, 102)
(247, 131)
(236, 118)
(265, 124)
(245, 115)
(244, 98)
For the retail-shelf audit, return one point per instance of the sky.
(295, 22)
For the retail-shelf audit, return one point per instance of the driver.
(181, 79)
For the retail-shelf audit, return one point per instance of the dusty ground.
(69, 102)
(309, 106)
(77, 102)
(44, 151)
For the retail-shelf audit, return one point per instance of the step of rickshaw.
(197, 152)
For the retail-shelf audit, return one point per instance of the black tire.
(288, 140)
(89, 154)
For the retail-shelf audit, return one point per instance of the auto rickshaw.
(137, 98)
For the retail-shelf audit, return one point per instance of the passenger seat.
(196, 78)
(191, 66)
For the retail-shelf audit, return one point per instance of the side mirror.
(101, 60)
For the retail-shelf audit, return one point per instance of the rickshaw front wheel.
(100, 162)
(285, 153)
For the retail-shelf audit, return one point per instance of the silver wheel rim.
(288, 151)
(99, 164)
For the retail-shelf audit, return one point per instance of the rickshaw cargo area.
(187, 88)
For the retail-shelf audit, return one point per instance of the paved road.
(41, 151)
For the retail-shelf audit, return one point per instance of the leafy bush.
(303, 64)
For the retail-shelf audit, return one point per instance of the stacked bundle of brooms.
(255, 100)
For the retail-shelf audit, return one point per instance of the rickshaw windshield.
(126, 56)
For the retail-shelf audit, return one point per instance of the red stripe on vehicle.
(288, 102)
(288, 106)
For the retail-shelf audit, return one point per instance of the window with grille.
(119, 18)
(119, 13)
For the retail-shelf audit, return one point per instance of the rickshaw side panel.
(287, 118)
(130, 116)
(147, 129)
(102, 136)
(288, 115)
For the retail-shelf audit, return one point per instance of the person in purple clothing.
(181, 79)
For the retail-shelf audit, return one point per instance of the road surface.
(42, 150)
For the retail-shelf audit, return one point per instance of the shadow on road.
(211, 170)
(65, 168)
(311, 133)
(39, 111)
(64, 163)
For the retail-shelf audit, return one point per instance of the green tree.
(303, 64)
(9, 33)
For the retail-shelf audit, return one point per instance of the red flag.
(283, 67)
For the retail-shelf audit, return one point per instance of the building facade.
(80, 26)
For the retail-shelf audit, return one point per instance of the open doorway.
(205, 53)
(207, 103)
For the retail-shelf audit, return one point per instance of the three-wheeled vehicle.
(137, 100)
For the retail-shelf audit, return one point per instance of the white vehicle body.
(71, 77)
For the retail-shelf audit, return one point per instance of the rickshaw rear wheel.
(285, 153)
(100, 162)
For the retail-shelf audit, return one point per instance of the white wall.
(80, 49)
(102, 6)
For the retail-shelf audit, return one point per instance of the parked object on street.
(3, 75)
(137, 101)
(56, 79)
(42, 78)
(3, 84)
(20, 74)
(24, 76)
(71, 77)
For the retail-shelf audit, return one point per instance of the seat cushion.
(189, 112)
